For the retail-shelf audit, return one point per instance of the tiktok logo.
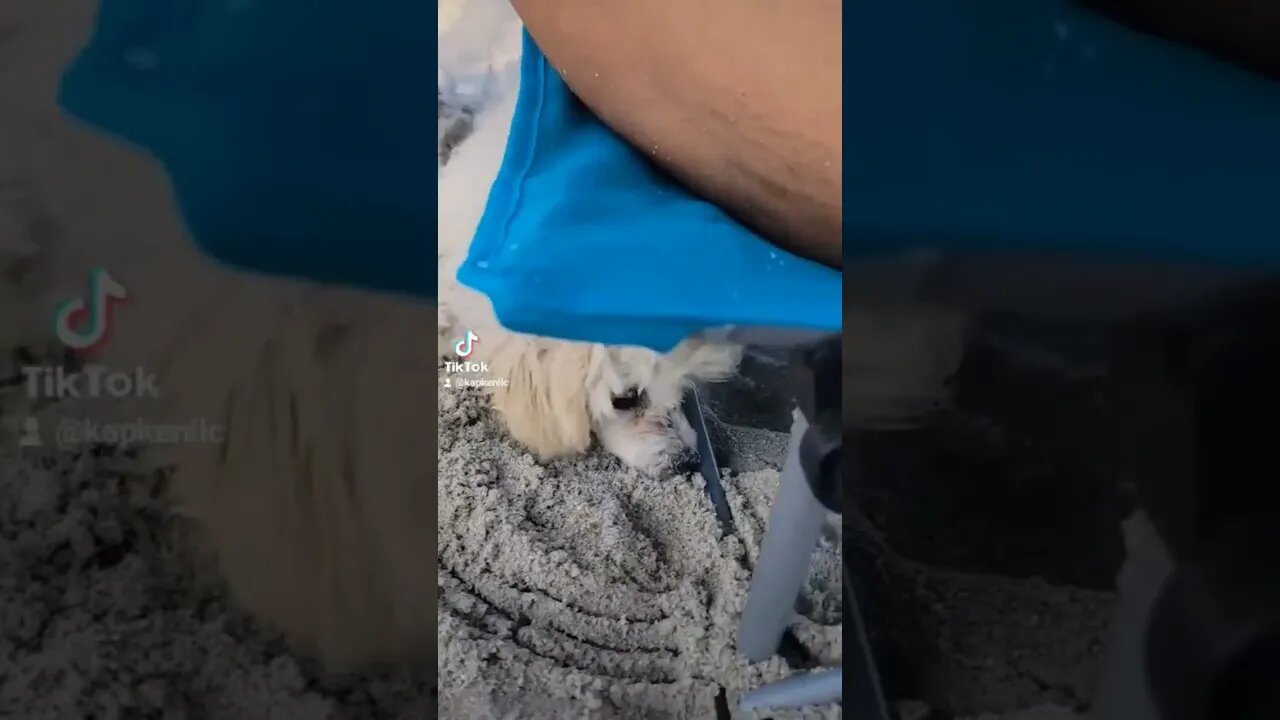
(83, 323)
(465, 346)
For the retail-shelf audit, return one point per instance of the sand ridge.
(582, 589)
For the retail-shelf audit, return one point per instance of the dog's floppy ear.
(708, 362)
(544, 404)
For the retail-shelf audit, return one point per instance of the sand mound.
(102, 613)
(581, 589)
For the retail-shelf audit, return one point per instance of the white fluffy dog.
(318, 508)
(561, 394)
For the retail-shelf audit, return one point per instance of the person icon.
(30, 433)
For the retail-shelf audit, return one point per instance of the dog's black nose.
(690, 461)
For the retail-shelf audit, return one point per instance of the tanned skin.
(741, 99)
(738, 99)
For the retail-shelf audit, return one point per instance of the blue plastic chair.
(294, 133)
(1038, 155)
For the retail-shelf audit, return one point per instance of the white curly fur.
(318, 510)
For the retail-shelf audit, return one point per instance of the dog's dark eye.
(627, 401)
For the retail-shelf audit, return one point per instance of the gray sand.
(581, 589)
(102, 615)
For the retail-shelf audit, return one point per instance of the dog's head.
(560, 394)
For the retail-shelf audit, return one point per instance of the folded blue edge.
(1040, 126)
(296, 133)
(584, 239)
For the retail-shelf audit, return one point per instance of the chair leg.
(1122, 689)
(814, 688)
(795, 523)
